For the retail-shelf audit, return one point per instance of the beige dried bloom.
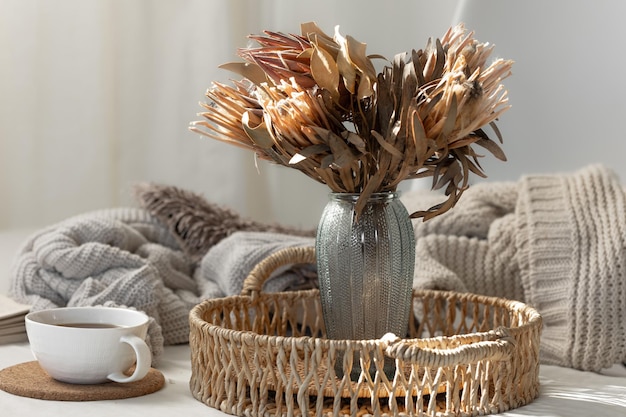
(316, 103)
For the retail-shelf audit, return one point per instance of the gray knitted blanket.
(126, 257)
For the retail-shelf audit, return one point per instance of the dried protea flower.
(337, 64)
(444, 95)
(316, 103)
(280, 57)
(230, 112)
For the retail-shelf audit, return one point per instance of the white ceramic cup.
(106, 343)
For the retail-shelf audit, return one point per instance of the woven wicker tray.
(265, 354)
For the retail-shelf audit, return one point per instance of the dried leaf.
(347, 178)
(431, 59)
(342, 154)
(418, 134)
(328, 177)
(356, 140)
(385, 104)
(450, 118)
(348, 72)
(465, 166)
(325, 72)
(474, 167)
(386, 145)
(438, 209)
(450, 172)
(496, 130)
(430, 104)
(258, 133)
(366, 89)
(323, 42)
(372, 186)
(492, 147)
(358, 57)
(466, 141)
(310, 28)
(315, 150)
(408, 92)
(441, 61)
(247, 70)
(419, 70)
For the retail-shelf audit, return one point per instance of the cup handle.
(144, 360)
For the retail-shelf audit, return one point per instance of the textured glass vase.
(365, 268)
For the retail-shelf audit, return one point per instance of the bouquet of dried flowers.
(316, 103)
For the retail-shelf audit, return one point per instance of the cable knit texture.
(127, 257)
(556, 242)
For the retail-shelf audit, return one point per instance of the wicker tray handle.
(493, 345)
(253, 283)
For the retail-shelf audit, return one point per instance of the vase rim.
(374, 196)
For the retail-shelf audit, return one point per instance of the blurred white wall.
(96, 96)
(567, 88)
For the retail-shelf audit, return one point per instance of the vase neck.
(375, 197)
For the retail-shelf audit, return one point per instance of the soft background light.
(96, 96)
(566, 90)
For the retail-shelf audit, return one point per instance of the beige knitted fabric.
(556, 242)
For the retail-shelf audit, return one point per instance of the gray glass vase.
(365, 268)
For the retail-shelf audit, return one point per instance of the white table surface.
(564, 392)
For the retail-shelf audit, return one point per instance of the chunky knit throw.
(127, 257)
(556, 242)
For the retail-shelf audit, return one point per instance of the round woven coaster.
(28, 379)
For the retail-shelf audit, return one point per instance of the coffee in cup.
(90, 345)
